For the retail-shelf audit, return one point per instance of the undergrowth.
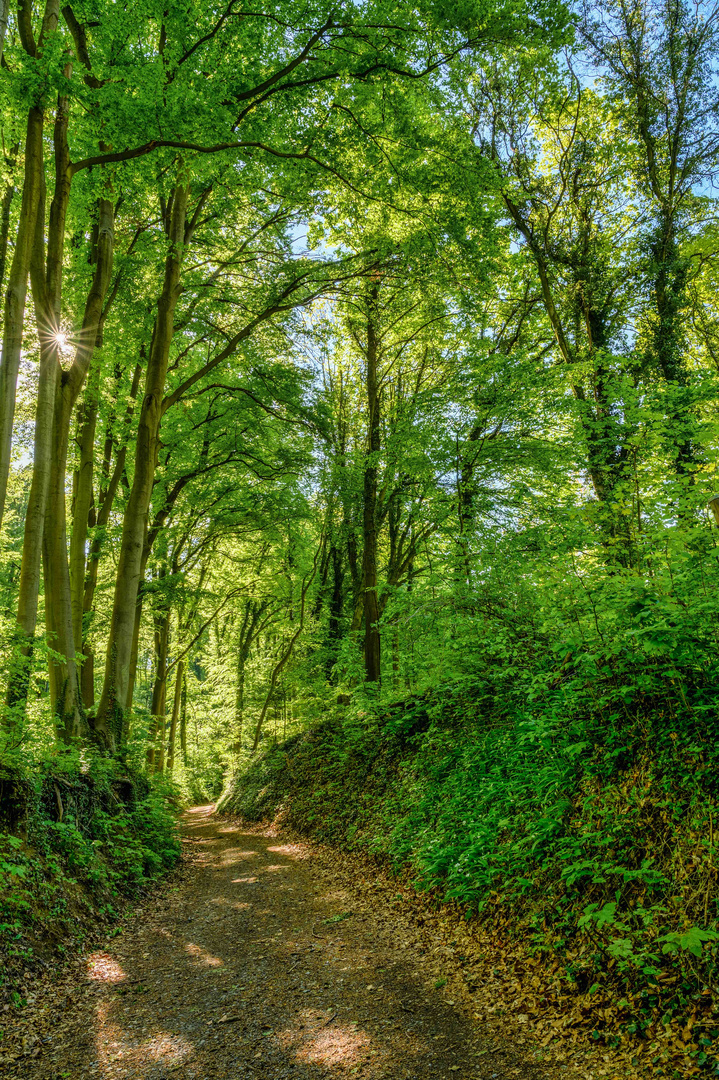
(78, 836)
(585, 825)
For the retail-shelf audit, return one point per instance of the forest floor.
(268, 957)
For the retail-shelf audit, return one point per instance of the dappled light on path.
(317, 1040)
(102, 968)
(277, 974)
(203, 957)
(116, 1052)
(230, 856)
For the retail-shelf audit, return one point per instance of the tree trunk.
(6, 206)
(64, 680)
(137, 623)
(395, 650)
(52, 421)
(183, 719)
(32, 193)
(286, 653)
(372, 642)
(4, 11)
(668, 339)
(240, 696)
(29, 587)
(58, 595)
(83, 499)
(179, 677)
(466, 461)
(16, 294)
(114, 699)
(248, 632)
(156, 735)
(334, 628)
(603, 433)
(106, 502)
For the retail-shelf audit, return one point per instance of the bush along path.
(583, 853)
(78, 840)
(272, 958)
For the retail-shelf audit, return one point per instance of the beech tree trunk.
(60, 615)
(6, 206)
(16, 293)
(83, 499)
(605, 439)
(356, 571)
(670, 270)
(4, 10)
(137, 622)
(34, 529)
(334, 629)
(286, 652)
(240, 696)
(114, 699)
(156, 734)
(183, 719)
(106, 501)
(248, 632)
(176, 701)
(27, 235)
(372, 656)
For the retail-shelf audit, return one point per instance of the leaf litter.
(183, 990)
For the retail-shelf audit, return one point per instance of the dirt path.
(259, 964)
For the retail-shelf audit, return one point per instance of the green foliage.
(446, 340)
(589, 831)
(86, 834)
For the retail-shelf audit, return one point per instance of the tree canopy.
(345, 348)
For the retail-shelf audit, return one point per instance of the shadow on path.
(251, 967)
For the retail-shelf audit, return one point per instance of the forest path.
(260, 962)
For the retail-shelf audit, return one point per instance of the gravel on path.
(259, 963)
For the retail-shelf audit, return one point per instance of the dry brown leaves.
(494, 974)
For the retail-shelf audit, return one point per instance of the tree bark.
(334, 628)
(16, 294)
(156, 734)
(25, 243)
(137, 623)
(179, 680)
(83, 500)
(183, 719)
(60, 613)
(254, 611)
(240, 694)
(5, 208)
(372, 643)
(4, 12)
(90, 340)
(114, 699)
(106, 502)
(603, 434)
(287, 652)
